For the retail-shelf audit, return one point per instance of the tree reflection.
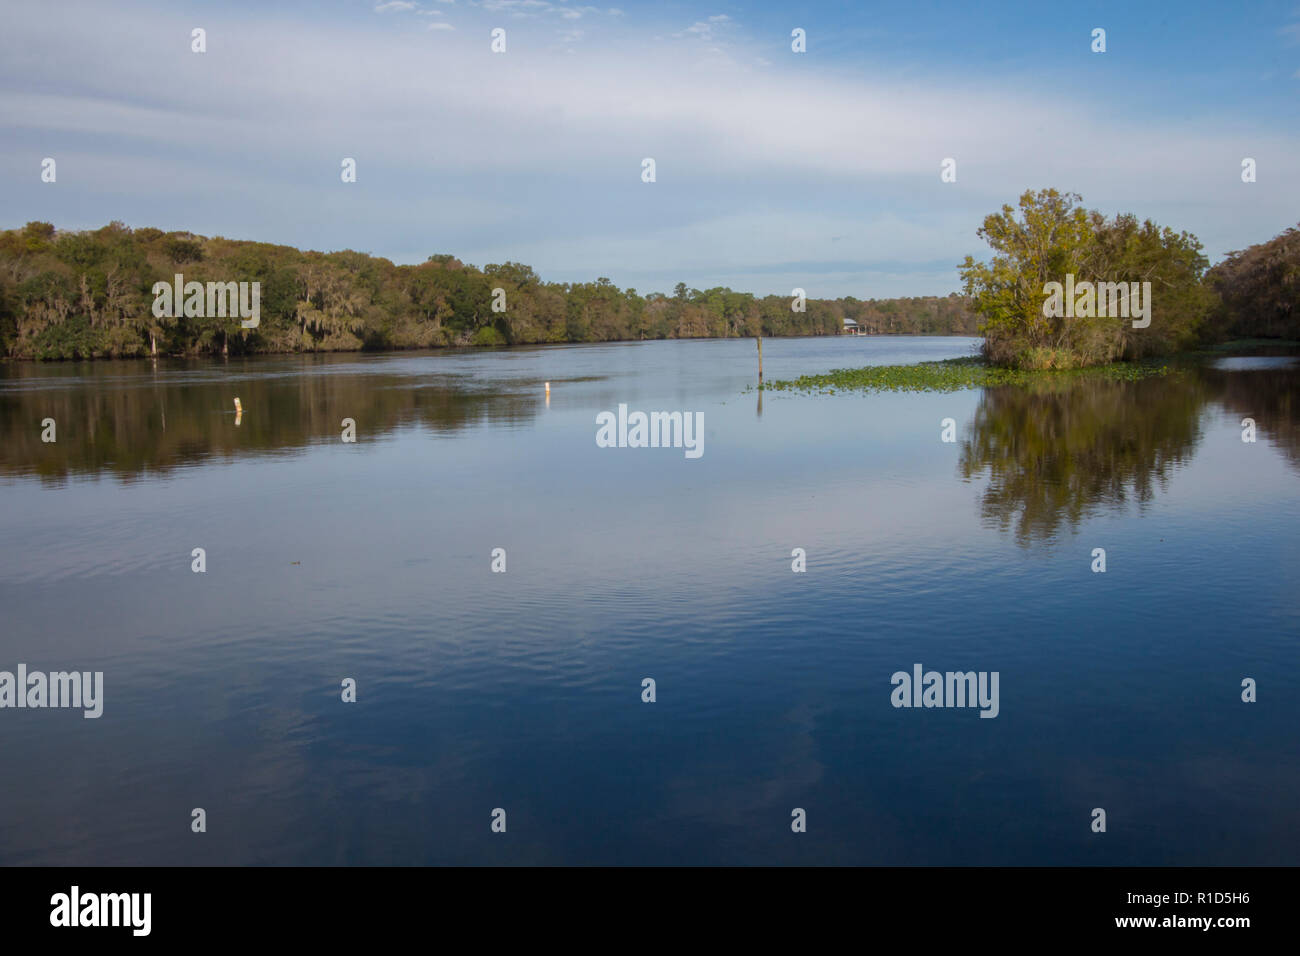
(1267, 390)
(1058, 452)
(146, 421)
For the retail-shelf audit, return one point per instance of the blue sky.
(774, 169)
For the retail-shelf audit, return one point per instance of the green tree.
(1054, 237)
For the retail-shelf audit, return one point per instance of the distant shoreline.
(122, 292)
(468, 348)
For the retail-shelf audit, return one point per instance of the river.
(326, 560)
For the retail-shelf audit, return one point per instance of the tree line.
(88, 294)
(1259, 291)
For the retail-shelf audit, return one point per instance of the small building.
(852, 328)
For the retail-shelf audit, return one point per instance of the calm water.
(522, 690)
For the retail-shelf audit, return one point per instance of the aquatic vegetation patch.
(952, 375)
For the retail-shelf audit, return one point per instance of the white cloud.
(519, 7)
(535, 8)
(394, 6)
(704, 29)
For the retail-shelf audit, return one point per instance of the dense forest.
(1259, 290)
(66, 294)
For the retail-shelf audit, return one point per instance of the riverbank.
(450, 347)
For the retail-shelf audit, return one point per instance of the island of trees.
(1253, 293)
(66, 294)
